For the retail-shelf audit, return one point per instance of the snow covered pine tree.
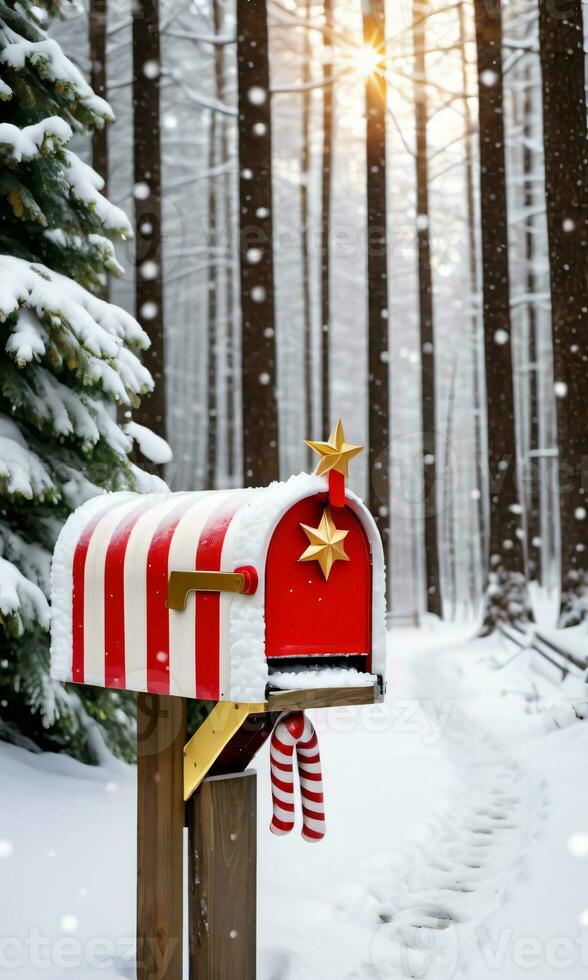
(67, 359)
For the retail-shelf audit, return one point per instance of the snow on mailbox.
(223, 595)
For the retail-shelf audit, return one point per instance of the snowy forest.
(224, 226)
(371, 214)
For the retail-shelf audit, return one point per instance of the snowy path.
(470, 859)
(417, 903)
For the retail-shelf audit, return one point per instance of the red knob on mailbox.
(251, 580)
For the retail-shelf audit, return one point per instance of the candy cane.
(295, 729)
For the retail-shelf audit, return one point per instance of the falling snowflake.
(489, 77)
(257, 95)
(151, 69)
(68, 923)
(149, 311)
(141, 190)
(578, 844)
(149, 270)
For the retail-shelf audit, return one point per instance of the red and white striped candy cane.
(294, 730)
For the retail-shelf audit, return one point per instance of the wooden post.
(161, 734)
(222, 878)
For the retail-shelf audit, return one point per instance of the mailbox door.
(307, 615)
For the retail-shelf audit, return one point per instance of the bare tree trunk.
(506, 598)
(428, 393)
(147, 198)
(327, 162)
(98, 79)
(305, 212)
(98, 17)
(449, 482)
(564, 129)
(479, 441)
(231, 362)
(215, 136)
(377, 274)
(533, 488)
(260, 418)
(228, 190)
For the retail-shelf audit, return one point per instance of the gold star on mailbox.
(336, 453)
(326, 544)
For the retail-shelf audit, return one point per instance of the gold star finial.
(326, 543)
(336, 453)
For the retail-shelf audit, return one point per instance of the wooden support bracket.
(224, 722)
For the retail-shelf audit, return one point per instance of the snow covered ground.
(457, 837)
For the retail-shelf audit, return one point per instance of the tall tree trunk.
(231, 341)
(98, 79)
(260, 419)
(212, 297)
(533, 484)
(305, 213)
(564, 129)
(328, 99)
(377, 273)
(98, 18)
(428, 399)
(214, 238)
(228, 191)
(327, 162)
(506, 597)
(479, 441)
(147, 198)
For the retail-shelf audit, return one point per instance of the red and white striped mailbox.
(218, 594)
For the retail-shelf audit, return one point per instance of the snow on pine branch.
(24, 144)
(21, 599)
(52, 65)
(22, 473)
(86, 185)
(77, 413)
(152, 446)
(28, 340)
(100, 328)
(33, 559)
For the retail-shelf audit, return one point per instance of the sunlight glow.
(367, 59)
